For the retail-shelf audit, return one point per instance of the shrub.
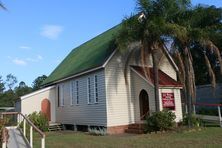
(97, 131)
(39, 120)
(196, 122)
(160, 121)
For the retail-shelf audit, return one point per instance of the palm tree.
(148, 28)
(2, 6)
(192, 27)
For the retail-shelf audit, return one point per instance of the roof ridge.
(90, 54)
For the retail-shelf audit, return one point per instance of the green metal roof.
(87, 56)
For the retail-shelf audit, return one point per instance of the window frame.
(89, 92)
(61, 95)
(72, 88)
(77, 92)
(96, 94)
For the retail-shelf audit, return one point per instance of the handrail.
(144, 115)
(24, 128)
(36, 128)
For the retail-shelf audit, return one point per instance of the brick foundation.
(117, 129)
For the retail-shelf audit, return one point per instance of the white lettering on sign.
(168, 100)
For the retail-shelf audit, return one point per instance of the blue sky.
(37, 35)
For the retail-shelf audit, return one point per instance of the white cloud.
(51, 31)
(25, 47)
(19, 62)
(31, 60)
(39, 57)
(23, 62)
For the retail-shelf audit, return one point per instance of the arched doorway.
(46, 108)
(144, 104)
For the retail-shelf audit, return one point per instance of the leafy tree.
(7, 98)
(22, 84)
(2, 6)
(22, 89)
(2, 85)
(195, 27)
(11, 80)
(36, 84)
(150, 27)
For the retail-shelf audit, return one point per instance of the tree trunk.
(156, 78)
(188, 87)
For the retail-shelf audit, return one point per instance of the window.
(61, 95)
(72, 93)
(58, 96)
(89, 92)
(96, 89)
(77, 92)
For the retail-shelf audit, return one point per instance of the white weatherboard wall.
(177, 99)
(120, 104)
(167, 68)
(83, 113)
(139, 84)
(32, 102)
(122, 100)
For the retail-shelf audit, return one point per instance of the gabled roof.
(164, 79)
(89, 55)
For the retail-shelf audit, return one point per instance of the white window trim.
(96, 102)
(77, 92)
(88, 94)
(61, 97)
(71, 93)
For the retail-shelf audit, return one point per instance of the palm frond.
(2, 6)
(210, 72)
(216, 51)
(127, 55)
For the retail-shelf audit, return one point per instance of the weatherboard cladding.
(87, 56)
(83, 113)
(164, 79)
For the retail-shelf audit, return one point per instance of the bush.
(160, 121)
(39, 120)
(196, 122)
(97, 131)
(212, 111)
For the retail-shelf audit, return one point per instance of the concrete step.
(136, 128)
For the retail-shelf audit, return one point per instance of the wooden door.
(144, 104)
(46, 108)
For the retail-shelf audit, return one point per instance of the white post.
(194, 109)
(3, 144)
(18, 120)
(186, 110)
(31, 137)
(75, 127)
(43, 142)
(24, 127)
(219, 114)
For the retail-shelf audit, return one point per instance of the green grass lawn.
(208, 137)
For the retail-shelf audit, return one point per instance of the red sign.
(168, 100)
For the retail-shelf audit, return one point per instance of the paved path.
(16, 139)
